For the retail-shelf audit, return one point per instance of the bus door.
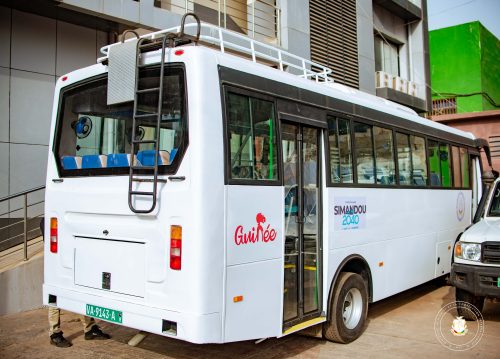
(302, 260)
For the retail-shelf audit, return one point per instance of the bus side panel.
(254, 246)
(401, 233)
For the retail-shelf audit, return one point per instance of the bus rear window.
(94, 138)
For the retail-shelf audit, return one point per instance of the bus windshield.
(93, 138)
(495, 202)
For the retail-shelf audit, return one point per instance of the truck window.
(495, 202)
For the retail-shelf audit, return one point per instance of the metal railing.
(257, 51)
(444, 106)
(20, 223)
(258, 19)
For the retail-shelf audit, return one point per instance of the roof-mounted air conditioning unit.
(383, 79)
(400, 84)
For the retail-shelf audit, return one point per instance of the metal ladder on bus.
(146, 45)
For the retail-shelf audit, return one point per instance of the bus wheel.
(348, 308)
(464, 296)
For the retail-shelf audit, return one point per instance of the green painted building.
(465, 69)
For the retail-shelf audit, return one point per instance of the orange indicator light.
(238, 298)
(380, 264)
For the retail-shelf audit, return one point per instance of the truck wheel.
(464, 296)
(348, 308)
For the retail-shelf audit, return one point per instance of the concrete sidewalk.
(400, 326)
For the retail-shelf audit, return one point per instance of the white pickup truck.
(476, 269)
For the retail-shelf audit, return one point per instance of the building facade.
(378, 46)
(465, 73)
(465, 69)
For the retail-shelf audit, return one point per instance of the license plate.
(110, 315)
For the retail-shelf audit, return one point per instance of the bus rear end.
(105, 256)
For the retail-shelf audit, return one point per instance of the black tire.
(464, 296)
(345, 325)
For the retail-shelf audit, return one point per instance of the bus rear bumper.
(194, 328)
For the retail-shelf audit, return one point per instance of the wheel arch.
(355, 263)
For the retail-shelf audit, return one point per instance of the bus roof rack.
(235, 43)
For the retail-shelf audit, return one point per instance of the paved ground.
(401, 326)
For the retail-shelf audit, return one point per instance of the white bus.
(211, 192)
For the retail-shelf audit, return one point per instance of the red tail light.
(53, 235)
(175, 247)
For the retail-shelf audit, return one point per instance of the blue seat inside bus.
(92, 161)
(172, 154)
(147, 157)
(69, 163)
(118, 160)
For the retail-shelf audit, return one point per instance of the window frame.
(118, 171)
(386, 40)
(228, 180)
(395, 130)
(470, 169)
(326, 138)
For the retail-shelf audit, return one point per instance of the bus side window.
(434, 163)
(339, 138)
(419, 161)
(445, 162)
(404, 159)
(384, 156)
(464, 160)
(252, 138)
(457, 180)
(364, 153)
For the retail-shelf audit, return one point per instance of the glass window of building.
(386, 55)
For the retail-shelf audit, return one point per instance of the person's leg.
(54, 320)
(88, 323)
(91, 329)
(56, 335)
